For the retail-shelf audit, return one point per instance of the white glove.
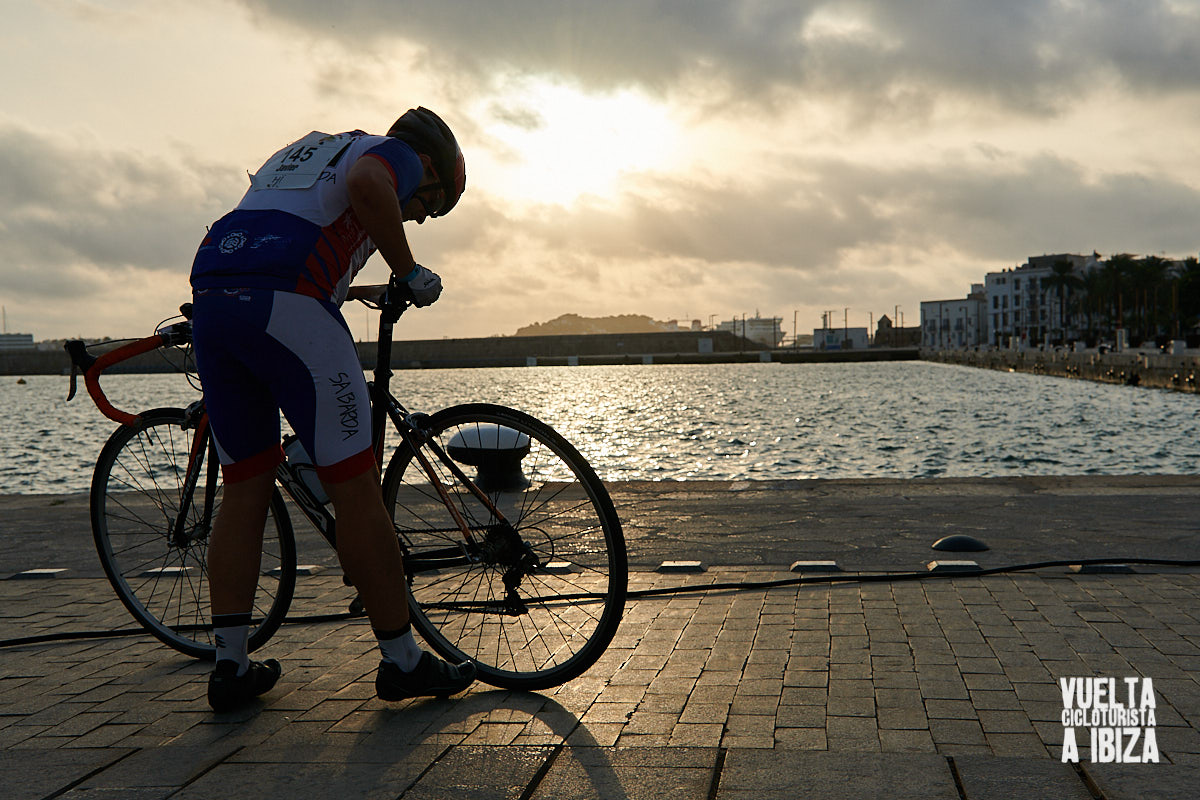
(426, 286)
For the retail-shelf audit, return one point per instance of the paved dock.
(942, 687)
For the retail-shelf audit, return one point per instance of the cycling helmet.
(424, 131)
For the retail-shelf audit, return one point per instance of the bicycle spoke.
(503, 607)
(155, 555)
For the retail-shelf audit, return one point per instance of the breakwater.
(1131, 368)
(669, 347)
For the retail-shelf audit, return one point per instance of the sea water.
(723, 421)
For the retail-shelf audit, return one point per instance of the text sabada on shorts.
(1119, 715)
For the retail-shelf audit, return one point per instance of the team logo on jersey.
(232, 241)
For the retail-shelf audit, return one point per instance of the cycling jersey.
(268, 335)
(294, 229)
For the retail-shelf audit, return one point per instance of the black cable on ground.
(887, 577)
(699, 588)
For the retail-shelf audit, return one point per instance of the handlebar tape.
(91, 375)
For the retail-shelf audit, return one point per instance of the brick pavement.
(938, 688)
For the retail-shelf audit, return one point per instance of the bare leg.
(370, 555)
(368, 550)
(235, 546)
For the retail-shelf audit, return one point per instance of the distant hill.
(573, 324)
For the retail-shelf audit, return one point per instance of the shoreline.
(1046, 482)
(930, 485)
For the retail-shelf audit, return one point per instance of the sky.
(682, 159)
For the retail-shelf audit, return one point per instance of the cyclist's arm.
(373, 198)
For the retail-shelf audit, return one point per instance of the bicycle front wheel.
(533, 596)
(157, 564)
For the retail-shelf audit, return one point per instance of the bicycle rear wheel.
(532, 603)
(158, 569)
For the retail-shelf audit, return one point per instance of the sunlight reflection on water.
(728, 421)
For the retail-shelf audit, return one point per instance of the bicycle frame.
(407, 425)
(384, 407)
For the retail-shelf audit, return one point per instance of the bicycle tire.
(137, 492)
(569, 605)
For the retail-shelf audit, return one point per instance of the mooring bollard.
(495, 452)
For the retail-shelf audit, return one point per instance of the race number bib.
(298, 165)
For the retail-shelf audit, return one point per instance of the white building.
(1021, 310)
(767, 331)
(955, 324)
(840, 339)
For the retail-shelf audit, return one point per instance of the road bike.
(513, 552)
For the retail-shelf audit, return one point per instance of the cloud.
(82, 226)
(75, 214)
(1048, 203)
(96, 240)
(1029, 56)
(819, 218)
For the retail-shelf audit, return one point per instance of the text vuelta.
(1119, 714)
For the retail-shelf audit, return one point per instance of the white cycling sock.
(230, 632)
(400, 648)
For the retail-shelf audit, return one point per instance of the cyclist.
(267, 283)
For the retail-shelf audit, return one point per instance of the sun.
(554, 143)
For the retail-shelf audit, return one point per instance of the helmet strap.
(431, 175)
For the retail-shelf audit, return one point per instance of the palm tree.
(1093, 297)
(1150, 273)
(1187, 295)
(1116, 273)
(1062, 278)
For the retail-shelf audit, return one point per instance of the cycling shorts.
(259, 351)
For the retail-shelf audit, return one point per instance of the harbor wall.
(672, 347)
(1131, 368)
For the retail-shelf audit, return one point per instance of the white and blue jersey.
(302, 238)
(267, 282)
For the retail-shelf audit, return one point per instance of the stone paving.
(941, 687)
(934, 688)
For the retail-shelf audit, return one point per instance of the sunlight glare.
(559, 144)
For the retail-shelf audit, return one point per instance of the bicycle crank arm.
(435, 560)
